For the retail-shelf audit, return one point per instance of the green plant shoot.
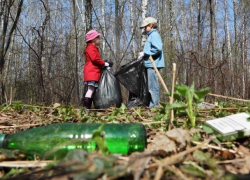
(191, 99)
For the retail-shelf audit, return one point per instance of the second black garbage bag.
(108, 92)
(133, 76)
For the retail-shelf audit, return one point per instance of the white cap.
(148, 21)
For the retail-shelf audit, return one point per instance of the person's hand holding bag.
(108, 65)
(141, 55)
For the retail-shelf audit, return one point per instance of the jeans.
(153, 87)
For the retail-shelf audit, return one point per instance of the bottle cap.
(2, 136)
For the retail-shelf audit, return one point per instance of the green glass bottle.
(56, 140)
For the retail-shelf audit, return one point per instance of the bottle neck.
(2, 137)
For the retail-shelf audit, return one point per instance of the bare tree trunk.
(184, 23)
(243, 20)
(76, 51)
(191, 33)
(41, 46)
(81, 11)
(182, 41)
(10, 52)
(235, 28)
(171, 21)
(159, 12)
(212, 26)
(88, 11)
(119, 11)
(117, 29)
(212, 80)
(132, 27)
(199, 42)
(199, 30)
(229, 49)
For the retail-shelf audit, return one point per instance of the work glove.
(106, 64)
(109, 63)
(141, 55)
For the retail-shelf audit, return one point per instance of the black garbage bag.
(108, 92)
(133, 76)
(134, 102)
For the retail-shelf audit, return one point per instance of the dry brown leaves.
(14, 122)
(171, 142)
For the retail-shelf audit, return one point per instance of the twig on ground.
(177, 172)
(227, 97)
(195, 165)
(205, 146)
(219, 109)
(168, 161)
(159, 171)
(138, 114)
(24, 125)
(24, 164)
(232, 161)
(153, 122)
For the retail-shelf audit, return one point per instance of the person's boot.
(87, 102)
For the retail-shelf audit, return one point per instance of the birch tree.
(103, 25)
(81, 10)
(144, 7)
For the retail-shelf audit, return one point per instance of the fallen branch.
(24, 125)
(153, 122)
(159, 171)
(24, 164)
(232, 161)
(205, 146)
(219, 109)
(46, 107)
(227, 97)
(178, 157)
(138, 114)
(195, 165)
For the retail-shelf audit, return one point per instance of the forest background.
(42, 43)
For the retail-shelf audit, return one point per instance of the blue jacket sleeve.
(154, 46)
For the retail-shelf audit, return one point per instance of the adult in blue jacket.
(152, 47)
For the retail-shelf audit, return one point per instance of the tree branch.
(13, 26)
